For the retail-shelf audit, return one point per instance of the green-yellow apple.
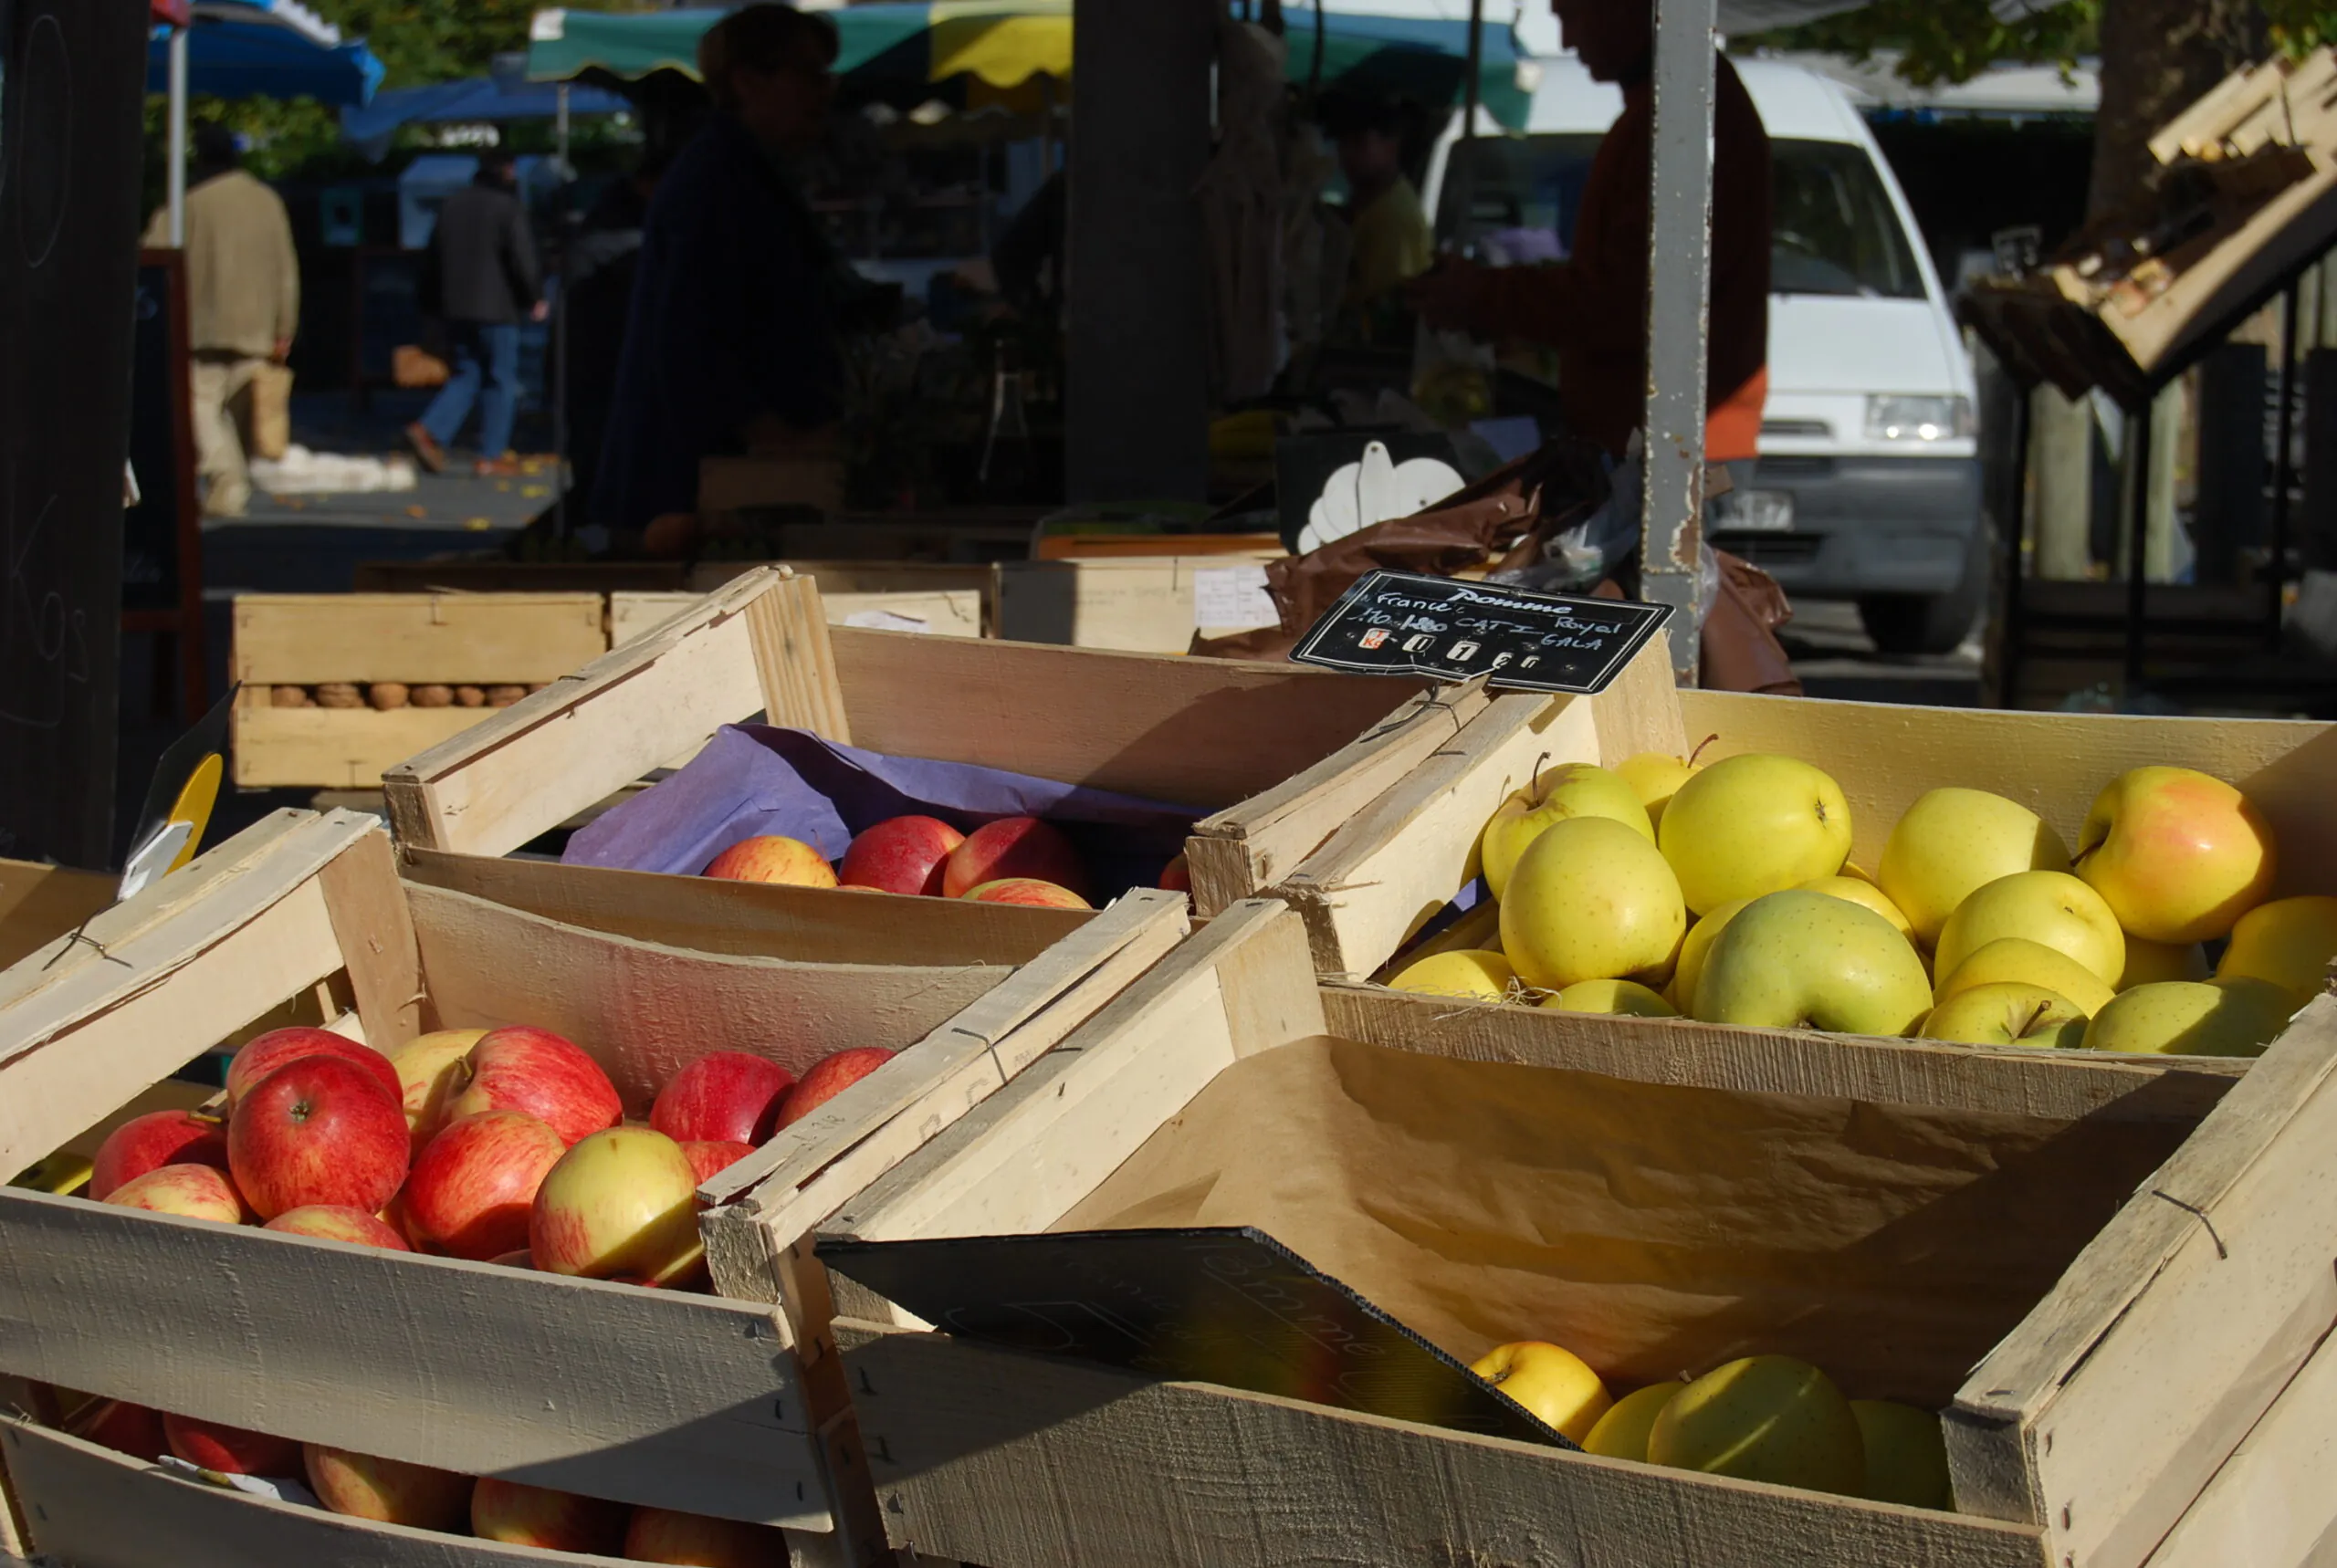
(1465, 972)
(1764, 1419)
(2289, 942)
(1556, 794)
(1866, 895)
(2051, 907)
(1627, 998)
(2238, 1017)
(1591, 900)
(1655, 777)
(623, 1201)
(1692, 948)
(1951, 842)
(432, 1070)
(2178, 854)
(2007, 1012)
(1753, 824)
(1621, 1433)
(1906, 1455)
(2149, 961)
(1803, 960)
(2018, 960)
(1550, 1381)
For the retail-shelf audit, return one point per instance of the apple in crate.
(768, 857)
(900, 854)
(1026, 890)
(198, 1192)
(126, 1428)
(230, 1450)
(706, 1156)
(622, 1202)
(469, 1194)
(518, 1515)
(2178, 855)
(1013, 847)
(725, 1096)
(280, 1047)
(1177, 876)
(664, 1535)
(535, 1071)
(388, 1491)
(828, 1077)
(337, 1222)
(156, 1139)
(318, 1131)
(432, 1070)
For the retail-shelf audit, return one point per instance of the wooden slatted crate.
(728, 1403)
(2131, 1410)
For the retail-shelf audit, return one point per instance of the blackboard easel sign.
(162, 532)
(1401, 623)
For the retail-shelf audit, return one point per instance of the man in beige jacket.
(243, 295)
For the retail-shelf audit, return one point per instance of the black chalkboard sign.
(1399, 623)
(1216, 1305)
(159, 442)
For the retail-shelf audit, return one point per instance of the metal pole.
(2138, 458)
(2277, 572)
(1464, 156)
(2011, 641)
(1679, 308)
(559, 474)
(560, 127)
(177, 175)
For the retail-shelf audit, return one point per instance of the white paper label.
(1232, 596)
(885, 620)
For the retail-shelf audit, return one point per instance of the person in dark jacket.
(732, 343)
(479, 275)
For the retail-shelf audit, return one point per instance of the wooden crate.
(1149, 604)
(1280, 754)
(2143, 1380)
(727, 1403)
(39, 903)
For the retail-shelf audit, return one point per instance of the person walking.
(243, 299)
(479, 278)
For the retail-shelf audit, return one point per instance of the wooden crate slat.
(2271, 1502)
(336, 748)
(482, 639)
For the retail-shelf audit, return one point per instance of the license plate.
(1753, 511)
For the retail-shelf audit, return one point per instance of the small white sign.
(1232, 596)
(887, 620)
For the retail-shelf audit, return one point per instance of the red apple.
(388, 1491)
(828, 1077)
(318, 1131)
(518, 1258)
(469, 1194)
(726, 1096)
(706, 1156)
(335, 1222)
(624, 1201)
(432, 1070)
(664, 1536)
(230, 1450)
(199, 1192)
(157, 1138)
(518, 1515)
(900, 854)
(1026, 890)
(118, 1425)
(1013, 846)
(771, 858)
(265, 1053)
(535, 1071)
(1177, 876)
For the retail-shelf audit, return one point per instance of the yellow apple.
(1467, 972)
(1624, 998)
(1764, 1419)
(2007, 1012)
(2178, 854)
(1866, 895)
(2289, 942)
(2018, 960)
(1621, 1433)
(1692, 948)
(2149, 961)
(1951, 842)
(1906, 1456)
(2238, 1017)
(2049, 907)
(1556, 795)
(1753, 824)
(1802, 960)
(1548, 1380)
(1655, 777)
(1591, 900)
(431, 1072)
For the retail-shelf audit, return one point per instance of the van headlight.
(1918, 418)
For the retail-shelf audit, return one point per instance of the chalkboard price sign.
(1398, 623)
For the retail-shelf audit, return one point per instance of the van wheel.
(1930, 622)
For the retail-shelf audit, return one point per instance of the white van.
(1867, 486)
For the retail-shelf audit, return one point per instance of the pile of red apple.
(392, 1491)
(1014, 860)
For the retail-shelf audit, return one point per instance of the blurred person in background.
(479, 277)
(1388, 228)
(243, 296)
(595, 299)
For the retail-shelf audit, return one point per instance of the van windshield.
(1834, 231)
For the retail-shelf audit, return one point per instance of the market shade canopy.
(471, 101)
(247, 49)
(1005, 42)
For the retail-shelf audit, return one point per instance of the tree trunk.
(2158, 58)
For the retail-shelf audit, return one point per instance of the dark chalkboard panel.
(1401, 623)
(71, 140)
(161, 543)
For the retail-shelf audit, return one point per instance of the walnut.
(433, 696)
(290, 696)
(504, 697)
(469, 696)
(387, 695)
(339, 694)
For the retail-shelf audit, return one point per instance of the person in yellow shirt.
(1388, 227)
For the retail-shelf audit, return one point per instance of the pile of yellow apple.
(1759, 1418)
(1726, 892)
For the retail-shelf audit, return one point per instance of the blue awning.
(477, 100)
(266, 48)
